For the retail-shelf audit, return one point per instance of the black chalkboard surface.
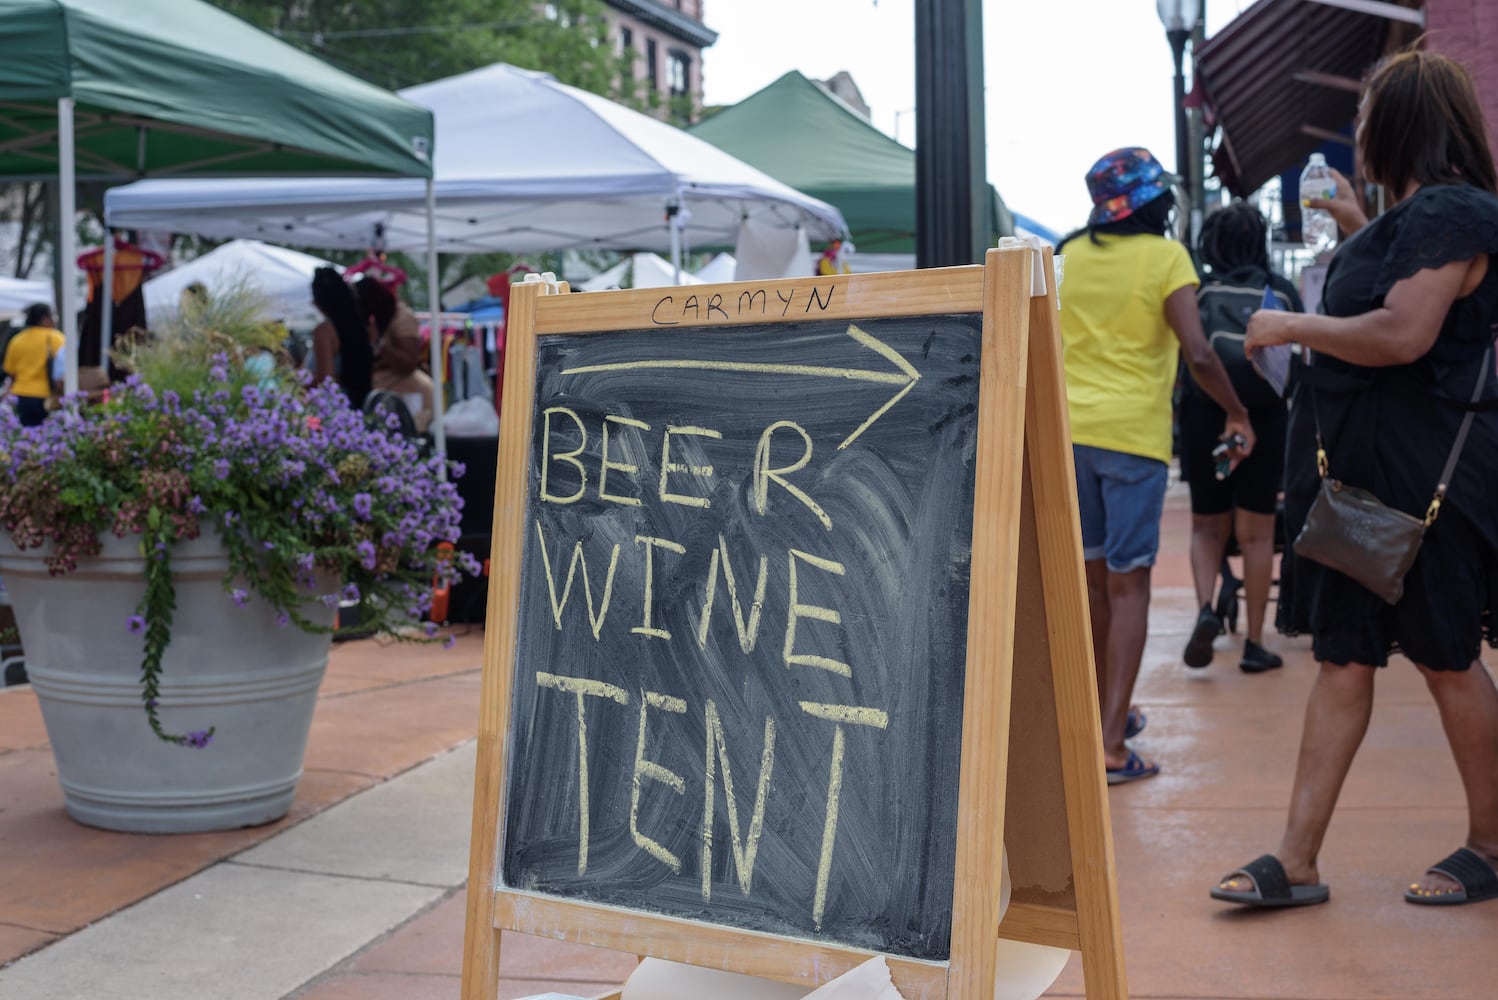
(742, 622)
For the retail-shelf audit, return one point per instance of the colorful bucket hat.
(1122, 181)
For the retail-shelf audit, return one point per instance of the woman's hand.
(1268, 328)
(1343, 206)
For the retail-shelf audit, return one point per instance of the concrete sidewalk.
(359, 892)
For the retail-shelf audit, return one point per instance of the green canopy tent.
(116, 90)
(801, 135)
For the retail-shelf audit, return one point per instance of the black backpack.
(1225, 309)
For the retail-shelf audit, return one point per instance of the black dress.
(1390, 430)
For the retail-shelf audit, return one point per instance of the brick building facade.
(666, 38)
(1467, 30)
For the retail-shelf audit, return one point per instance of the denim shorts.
(1121, 497)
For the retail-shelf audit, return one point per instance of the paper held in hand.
(1272, 363)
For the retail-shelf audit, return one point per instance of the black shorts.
(31, 410)
(1255, 485)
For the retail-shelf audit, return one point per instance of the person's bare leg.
(1098, 616)
(1209, 541)
(1128, 611)
(1336, 720)
(1468, 703)
(1256, 540)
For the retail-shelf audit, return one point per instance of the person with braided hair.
(1234, 252)
(341, 348)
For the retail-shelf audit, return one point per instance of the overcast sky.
(1066, 80)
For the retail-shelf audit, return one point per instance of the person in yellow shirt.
(1129, 302)
(28, 364)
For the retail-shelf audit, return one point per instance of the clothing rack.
(472, 356)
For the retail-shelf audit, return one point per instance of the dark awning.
(1282, 78)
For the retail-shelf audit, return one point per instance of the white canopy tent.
(18, 293)
(721, 268)
(524, 164)
(640, 270)
(282, 276)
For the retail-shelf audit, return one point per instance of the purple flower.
(198, 739)
(450, 641)
(351, 594)
(283, 619)
(307, 471)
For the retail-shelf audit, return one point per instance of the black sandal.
(1470, 870)
(1272, 887)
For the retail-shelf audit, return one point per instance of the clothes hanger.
(147, 260)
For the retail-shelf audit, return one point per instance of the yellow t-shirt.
(1120, 352)
(28, 360)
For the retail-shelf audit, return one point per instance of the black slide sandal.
(1467, 868)
(1272, 887)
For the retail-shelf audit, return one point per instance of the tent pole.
(434, 307)
(106, 300)
(67, 242)
(672, 210)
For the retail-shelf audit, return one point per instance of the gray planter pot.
(229, 667)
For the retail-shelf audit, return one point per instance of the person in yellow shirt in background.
(1128, 304)
(28, 364)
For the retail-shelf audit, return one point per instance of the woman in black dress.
(1410, 308)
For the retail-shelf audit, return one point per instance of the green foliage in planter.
(213, 433)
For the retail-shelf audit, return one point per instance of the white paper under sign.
(869, 981)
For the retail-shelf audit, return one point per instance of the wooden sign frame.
(1026, 551)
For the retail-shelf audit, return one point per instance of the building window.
(679, 73)
(652, 71)
(626, 43)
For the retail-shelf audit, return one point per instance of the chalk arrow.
(905, 377)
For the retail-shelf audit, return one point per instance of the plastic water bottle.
(1317, 227)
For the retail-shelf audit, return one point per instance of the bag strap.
(1323, 463)
(1461, 440)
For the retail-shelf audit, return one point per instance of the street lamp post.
(1179, 18)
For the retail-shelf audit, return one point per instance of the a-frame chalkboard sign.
(787, 626)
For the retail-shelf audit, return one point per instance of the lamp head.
(1179, 15)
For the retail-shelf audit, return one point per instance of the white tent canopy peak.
(524, 164)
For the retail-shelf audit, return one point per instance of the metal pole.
(672, 210)
(1198, 140)
(1183, 132)
(950, 174)
(67, 241)
(434, 308)
(106, 301)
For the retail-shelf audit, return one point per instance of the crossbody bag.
(1350, 530)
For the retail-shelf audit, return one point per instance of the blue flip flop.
(1135, 725)
(1134, 769)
